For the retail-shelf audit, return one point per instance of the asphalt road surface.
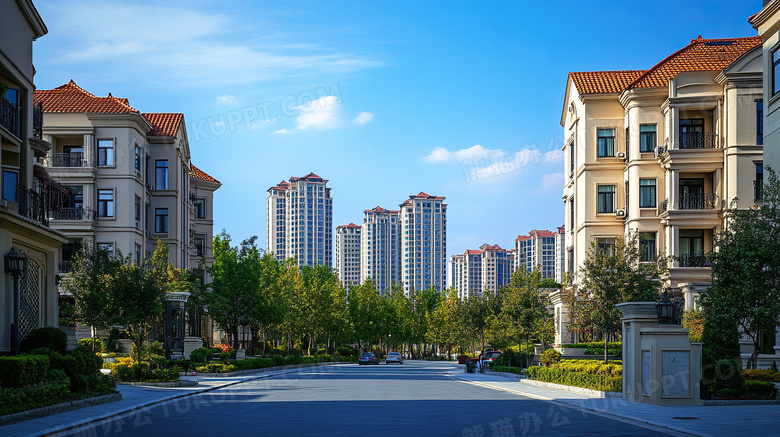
(413, 399)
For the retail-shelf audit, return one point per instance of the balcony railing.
(72, 159)
(64, 267)
(698, 201)
(38, 120)
(31, 204)
(693, 261)
(74, 214)
(9, 116)
(698, 140)
(758, 190)
(663, 207)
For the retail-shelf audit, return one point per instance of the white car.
(394, 357)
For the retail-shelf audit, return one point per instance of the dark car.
(368, 358)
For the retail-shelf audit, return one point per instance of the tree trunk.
(606, 351)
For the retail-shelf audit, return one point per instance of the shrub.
(507, 369)
(53, 355)
(216, 368)
(759, 390)
(347, 351)
(224, 356)
(98, 344)
(23, 370)
(558, 375)
(761, 375)
(294, 352)
(724, 374)
(511, 359)
(82, 366)
(49, 337)
(14, 400)
(199, 355)
(549, 357)
(142, 373)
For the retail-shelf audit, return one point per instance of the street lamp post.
(14, 264)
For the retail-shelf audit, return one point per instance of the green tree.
(612, 276)
(745, 289)
(477, 313)
(446, 323)
(523, 308)
(88, 283)
(366, 310)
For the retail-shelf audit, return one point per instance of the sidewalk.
(134, 397)
(727, 420)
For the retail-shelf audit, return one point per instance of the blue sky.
(385, 100)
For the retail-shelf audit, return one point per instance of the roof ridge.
(72, 84)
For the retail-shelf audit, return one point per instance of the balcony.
(38, 121)
(693, 261)
(73, 159)
(31, 204)
(64, 267)
(73, 214)
(9, 117)
(698, 140)
(698, 201)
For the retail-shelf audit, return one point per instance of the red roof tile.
(197, 173)
(72, 98)
(541, 233)
(591, 82)
(699, 55)
(522, 238)
(164, 124)
(350, 225)
(472, 252)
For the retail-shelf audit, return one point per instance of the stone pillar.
(190, 344)
(561, 312)
(660, 365)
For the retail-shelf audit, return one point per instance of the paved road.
(416, 398)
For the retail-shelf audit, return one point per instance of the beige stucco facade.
(767, 23)
(27, 194)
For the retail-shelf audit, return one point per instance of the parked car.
(394, 357)
(368, 358)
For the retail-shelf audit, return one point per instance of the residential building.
(299, 215)
(661, 153)
(380, 248)
(537, 249)
(767, 23)
(130, 181)
(28, 297)
(348, 248)
(466, 273)
(423, 259)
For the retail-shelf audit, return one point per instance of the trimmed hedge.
(142, 373)
(589, 374)
(507, 369)
(199, 355)
(23, 370)
(761, 375)
(14, 400)
(263, 363)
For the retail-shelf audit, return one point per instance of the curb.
(59, 430)
(58, 408)
(597, 411)
(179, 383)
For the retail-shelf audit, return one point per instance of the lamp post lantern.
(14, 264)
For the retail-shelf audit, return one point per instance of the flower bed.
(591, 374)
(262, 363)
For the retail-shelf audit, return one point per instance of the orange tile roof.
(197, 173)
(72, 98)
(164, 124)
(699, 55)
(591, 82)
(472, 252)
(541, 233)
(350, 225)
(522, 238)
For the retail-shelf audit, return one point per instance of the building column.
(673, 241)
(89, 149)
(673, 188)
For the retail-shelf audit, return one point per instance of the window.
(571, 159)
(105, 203)
(200, 208)
(647, 246)
(606, 199)
(647, 137)
(759, 122)
(138, 159)
(108, 247)
(10, 179)
(200, 245)
(161, 220)
(647, 193)
(692, 248)
(137, 209)
(138, 254)
(775, 72)
(605, 246)
(76, 198)
(692, 133)
(606, 142)
(758, 185)
(106, 152)
(161, 174)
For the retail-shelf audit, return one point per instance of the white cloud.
(363, 118)
(175, 45)
(228, 100)
(480, 163)
(553, 156)
(321, 114)
(550, 182)
(441, 154)
(283, 131)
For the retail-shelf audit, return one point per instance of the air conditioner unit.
(620, 155)
(621, 213)
(659, 151)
